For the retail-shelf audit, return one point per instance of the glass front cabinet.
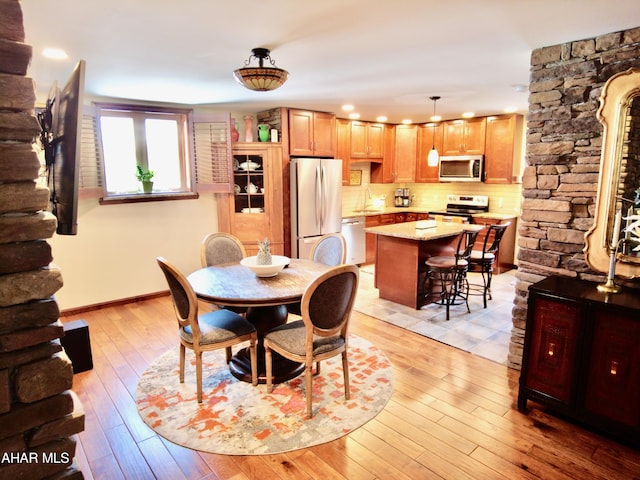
(254, 209)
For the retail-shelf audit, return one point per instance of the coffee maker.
(406, 197)
(398, 198)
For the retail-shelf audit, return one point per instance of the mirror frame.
(615, 100)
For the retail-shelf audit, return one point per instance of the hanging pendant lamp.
(434, 157)
(261, 78)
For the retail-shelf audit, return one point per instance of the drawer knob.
(551, 349)
(613, 369)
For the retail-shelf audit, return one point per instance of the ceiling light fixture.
(434, 157)
(261, 78)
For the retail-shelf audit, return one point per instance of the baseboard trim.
(123, 301)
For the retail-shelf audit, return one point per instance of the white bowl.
(278, 262)
(249, 166)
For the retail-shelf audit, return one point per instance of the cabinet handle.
(551, 349)
(613, 369)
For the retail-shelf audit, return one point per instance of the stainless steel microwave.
(461, 168)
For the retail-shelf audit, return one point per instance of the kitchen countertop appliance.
(464, 206)
(316, 202)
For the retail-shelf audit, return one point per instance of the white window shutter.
(212, 150)
(91, 176)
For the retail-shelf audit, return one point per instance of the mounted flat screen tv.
(61, 124)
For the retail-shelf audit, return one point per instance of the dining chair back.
(210, 331)
(330, 249)
(447, 274)
(322, 332)
(483, 260)
(221, 247)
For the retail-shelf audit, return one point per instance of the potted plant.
(145, 177)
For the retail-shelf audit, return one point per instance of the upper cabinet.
(343, 147)
(503, 148)
(367, 141)
(429, 136)
(400, 152)
(464, 137)
(312, 134)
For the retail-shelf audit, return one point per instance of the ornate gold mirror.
(619, 182)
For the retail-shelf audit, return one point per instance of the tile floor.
(483, 332)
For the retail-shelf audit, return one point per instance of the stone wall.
(39, 414)
(564, 142)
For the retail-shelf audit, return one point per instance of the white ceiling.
(385, 57)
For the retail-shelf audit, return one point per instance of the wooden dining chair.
(330, 249)
(322, 332)
(210, 331)
(221, 247)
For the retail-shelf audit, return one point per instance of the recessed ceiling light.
(407, 121)
(354, 116)
(511, 109)
(520, 88)
(55, 53)
(435, 118)
(468, 115)
(347, 108)
(381, 118)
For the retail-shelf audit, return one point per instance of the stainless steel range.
(464, 206)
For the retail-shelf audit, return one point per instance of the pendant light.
(261, 78)
(434, 156)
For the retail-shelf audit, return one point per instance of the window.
(154, 138)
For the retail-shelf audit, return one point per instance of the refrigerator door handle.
(318, 195)
(323, 201)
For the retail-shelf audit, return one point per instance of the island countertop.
(409, 231)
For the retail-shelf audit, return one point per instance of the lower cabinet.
(582, 355)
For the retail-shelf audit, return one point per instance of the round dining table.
(266, 299)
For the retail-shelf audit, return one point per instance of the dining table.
(266, 300)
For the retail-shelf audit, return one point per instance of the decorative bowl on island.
(278, 262)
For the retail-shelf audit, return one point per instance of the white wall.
(113, 255)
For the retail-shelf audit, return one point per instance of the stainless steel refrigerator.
(316, 202)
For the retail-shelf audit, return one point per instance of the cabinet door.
(375, 140)
(370, 238)
(464, 137)
(499, 154)
(406, 152)
(429, 135)
(358, 139)
(613, 384)
(343, 147)
(551, 364)
(324, 134)
(300, 132)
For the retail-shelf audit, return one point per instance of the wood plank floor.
(452, 415)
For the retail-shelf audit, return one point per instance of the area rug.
(236, 418)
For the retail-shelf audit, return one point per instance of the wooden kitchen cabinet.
(343, 147)
(464, 136)
(370, 238)
(401, 146)
(429, 135)
(312, 134)
(506, 253)
(503, 148)
(254, 215)
(582, 355)
(367, 141)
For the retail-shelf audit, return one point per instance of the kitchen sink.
(368, 210)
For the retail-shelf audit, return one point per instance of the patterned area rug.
(237, 418)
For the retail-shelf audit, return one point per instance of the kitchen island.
(401, 252)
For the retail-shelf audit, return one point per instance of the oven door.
(463, 168)
(444, 216)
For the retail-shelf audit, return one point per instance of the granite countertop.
(494, 215)
(408, 230)
(372, 212)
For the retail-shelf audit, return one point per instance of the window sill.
(147, 197)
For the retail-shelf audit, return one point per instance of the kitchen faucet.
(367, 196)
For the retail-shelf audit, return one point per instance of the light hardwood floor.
(452, 415)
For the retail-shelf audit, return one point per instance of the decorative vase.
(147, 187)
(248, 128)
(235, 135)
(263, 132)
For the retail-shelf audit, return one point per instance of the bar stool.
(449, 273)
(483, 260)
